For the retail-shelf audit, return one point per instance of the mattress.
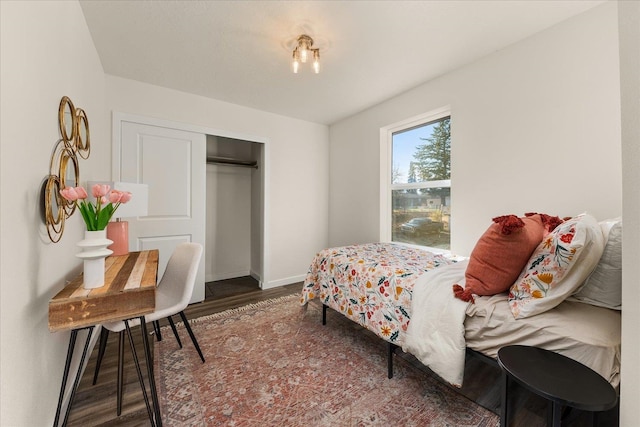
(586, 333)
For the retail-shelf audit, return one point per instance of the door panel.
(172, 177)
(173, 164)
(165, 245)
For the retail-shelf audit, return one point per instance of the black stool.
(557, 378)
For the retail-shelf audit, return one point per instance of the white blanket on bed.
(435, 334)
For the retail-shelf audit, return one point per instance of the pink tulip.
(100, 190)
(115, 196)
(82, 193)
(103, 200)
(69, 193)
(126, 196)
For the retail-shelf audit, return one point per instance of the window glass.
(421, 184)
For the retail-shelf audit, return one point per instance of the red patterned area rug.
(274, 364)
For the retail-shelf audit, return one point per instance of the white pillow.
(604, 286)
(559, 265)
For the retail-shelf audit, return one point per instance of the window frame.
(386, 167)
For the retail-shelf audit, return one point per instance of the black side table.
(557, 378)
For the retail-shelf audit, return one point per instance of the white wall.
(629, 18)
(535, 127)
(257, 214)
(296, 166)
(230, 238)
(46, 53)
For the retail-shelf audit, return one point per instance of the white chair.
(172, 297)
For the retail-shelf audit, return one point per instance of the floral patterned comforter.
(371, 284)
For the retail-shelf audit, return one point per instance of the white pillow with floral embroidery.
(559, 265)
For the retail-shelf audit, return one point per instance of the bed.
(404, 295)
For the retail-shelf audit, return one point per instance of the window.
(420, 182)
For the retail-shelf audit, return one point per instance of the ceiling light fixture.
(303, 51)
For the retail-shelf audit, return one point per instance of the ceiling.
(240, 51)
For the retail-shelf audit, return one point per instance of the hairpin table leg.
(67, 365)
(120, 383)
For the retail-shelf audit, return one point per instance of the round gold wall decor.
(83, 137)
(54, 212)
(64, 169)
(69, 176)
(67, 120)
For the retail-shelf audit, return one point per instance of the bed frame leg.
(391, 348)
(324, 314)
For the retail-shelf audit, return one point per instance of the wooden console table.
(128, 293)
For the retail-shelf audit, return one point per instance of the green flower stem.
(96, 218)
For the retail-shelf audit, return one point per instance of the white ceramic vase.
(94, 251)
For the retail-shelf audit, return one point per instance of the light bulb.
(304, 44)
(296, 61)
(316, 61)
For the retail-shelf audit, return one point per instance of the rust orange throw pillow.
(502, 252)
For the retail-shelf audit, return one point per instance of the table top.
(557, 378)
(129, 291)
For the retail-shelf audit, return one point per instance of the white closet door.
(173, 164)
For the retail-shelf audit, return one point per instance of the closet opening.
(234, 216)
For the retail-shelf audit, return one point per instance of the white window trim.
(423, 184)
(386, 139)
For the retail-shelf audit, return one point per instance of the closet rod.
(232, 162)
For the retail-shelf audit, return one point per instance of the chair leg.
(175, 331)
(156, 328)
(193, 337)
(150, 375)
(120, 370)
(104, 336)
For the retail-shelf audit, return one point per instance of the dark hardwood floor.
(95, 405)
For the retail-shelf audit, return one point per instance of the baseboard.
(257, 277)
(285, 281)
(263, 285)
(225, 276)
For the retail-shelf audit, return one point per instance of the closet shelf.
(232, 162)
